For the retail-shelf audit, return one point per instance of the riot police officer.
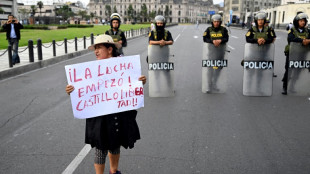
(257, 80)
(298, 33)
(216, 34)
(160, 36)
(117, 34)
(260, 33)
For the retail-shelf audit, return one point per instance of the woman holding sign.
(107, 133)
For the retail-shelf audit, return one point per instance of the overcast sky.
(85, 2)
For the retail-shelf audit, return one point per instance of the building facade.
(9, 7)
(175, 11)
(237, 11)
(282, 15)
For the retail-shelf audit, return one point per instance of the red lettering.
(139, 91)
(78, 106)
(70, 75)
(115, 95)
(99, 73)
(113, 83)
(115, 68)
(130, 65)
(100, 82)
(108, 70)
(74, 75)
(88, 73)
(90, 88)
(122, 66)
(80, 92)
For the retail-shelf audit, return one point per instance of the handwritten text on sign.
(105, 86)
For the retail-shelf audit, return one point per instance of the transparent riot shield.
(258, 69)
(299, 70)
(214, 71)
(161, 71)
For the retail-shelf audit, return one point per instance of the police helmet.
(160, 18)
(216, 17)
(260, 15)
(115, 16)
(298, 17)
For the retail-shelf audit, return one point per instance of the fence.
(129, 34)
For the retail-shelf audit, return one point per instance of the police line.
(258, 65)
(161, 66)
(299, 64)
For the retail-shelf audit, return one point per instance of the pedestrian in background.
(108, 133)
(12, 27)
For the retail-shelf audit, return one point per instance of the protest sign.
(105, 86)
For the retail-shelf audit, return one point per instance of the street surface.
(192, 132)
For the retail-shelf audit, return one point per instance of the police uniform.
(294, 35)
(254, 33)
(118, 36)
(213, 33)
(154, 35)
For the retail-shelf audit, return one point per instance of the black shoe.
(274, 75)
(284, 92)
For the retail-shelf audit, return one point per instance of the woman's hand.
(69, 89)
(143, 79)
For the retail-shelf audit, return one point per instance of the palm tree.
(40, 5)
(33, 12)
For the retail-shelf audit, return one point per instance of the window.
(235, 8)
(283, 16)
(179, 13)
(235, 2)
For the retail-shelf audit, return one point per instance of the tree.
(33, 10)
(40, 5)
(92, 15)
(143, 13)
(83, 14)
(1, 11)
(108, 10)
(24, 13)
(167, 11)
(152, 15)
(114, 9)
(64, 12)
(130, 12)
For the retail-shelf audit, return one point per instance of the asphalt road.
(192, 132)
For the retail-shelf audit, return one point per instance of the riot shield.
(213, 68)
(161, 71)
(299, 70)
(258, 69)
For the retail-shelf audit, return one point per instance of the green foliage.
(64, 11)
(130, 12)
(143, 13)
(114, 10)
(108, 10)
(1, 10)
(33, 10)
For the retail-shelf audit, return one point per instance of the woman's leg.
(114, 159)
(100, 156)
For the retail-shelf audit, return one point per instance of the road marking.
(183, 29)
(231, 47)
(177, 37)
(77, 160)
(235, 37)
(195, 37)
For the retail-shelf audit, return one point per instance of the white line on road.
(77, 160)
(177, 37)
(231, 47)
(235, 37)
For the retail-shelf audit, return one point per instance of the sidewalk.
(47, 55)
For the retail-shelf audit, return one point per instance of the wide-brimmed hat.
(101, 39)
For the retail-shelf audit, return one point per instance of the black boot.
(284, 91)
